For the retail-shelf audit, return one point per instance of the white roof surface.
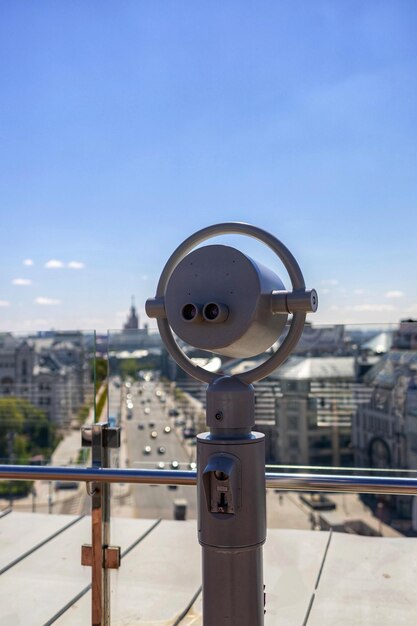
(317, 368)
(314, 578)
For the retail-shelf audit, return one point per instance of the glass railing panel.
(342, 389)
(40, 563)
(343, 401)
(47, 391)
(334, 556)
(312, 558)
(154, 415)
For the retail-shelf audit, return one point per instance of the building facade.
(315, 409)
(384, 433)
(52, 372)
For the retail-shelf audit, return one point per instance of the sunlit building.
(314, 410)
(51, 372)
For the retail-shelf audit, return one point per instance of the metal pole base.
(228, 598)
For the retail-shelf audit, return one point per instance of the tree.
(24, 430)
(128, 368)
(101, 370)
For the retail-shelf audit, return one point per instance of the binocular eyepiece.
(212, 312)
(217, 299)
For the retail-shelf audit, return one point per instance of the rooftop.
(311, 368)
(311, 577)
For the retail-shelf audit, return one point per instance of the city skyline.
(127, 129)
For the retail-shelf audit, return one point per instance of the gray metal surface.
(233, 587)
(246, 525)
(230, 405)
(303, 301)
(233, 282)
(231, 507)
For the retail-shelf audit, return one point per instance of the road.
(150, 406)
(149, 415)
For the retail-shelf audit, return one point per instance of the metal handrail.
(284, 481)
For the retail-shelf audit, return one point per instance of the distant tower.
(133, 318)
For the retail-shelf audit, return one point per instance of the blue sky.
(126, 126)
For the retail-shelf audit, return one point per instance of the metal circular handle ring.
(297, 282)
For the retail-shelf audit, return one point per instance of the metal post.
(33, 492)
(200, 299)
(100, 555)
(231, 507)
(50, 497)
(99, 576)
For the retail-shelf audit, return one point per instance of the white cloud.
(324, 291)
(54, 264)
(76, 265)
(359, 292)
(46, 301)
(22, 282)
(331, 282)
(144, 277)
(28, 262)
(394, 294)
(372, 307)
(4, 303)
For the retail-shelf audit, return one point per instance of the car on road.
(189, 432)
(65, 484)
(167, 429)
(175, 465)
(140, 427)
(192, 466)
(161, 450)
(147, 410)
(151, 424)
(147, 450)
(154, 434)
(173, 413)
(180, 509)
(160, 465)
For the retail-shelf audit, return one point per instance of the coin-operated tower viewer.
(216, 298)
